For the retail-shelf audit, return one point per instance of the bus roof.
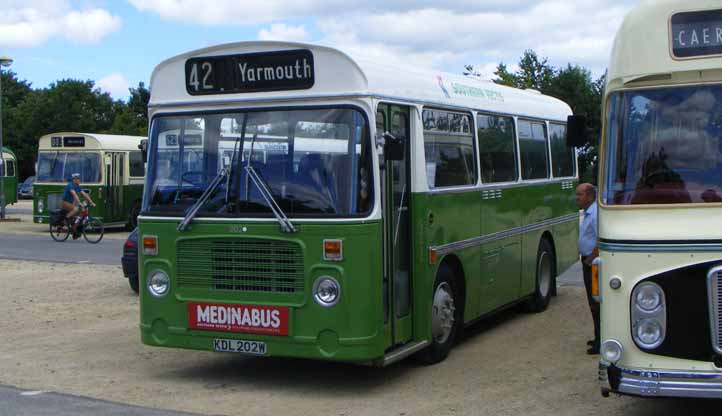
(643, 47)
(339, 75)
(90, 141)
(7, 153)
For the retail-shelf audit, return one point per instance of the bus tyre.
(133, 219)
(133, 282)
(545, 267)
(445, 317)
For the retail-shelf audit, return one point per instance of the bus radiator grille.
(240, 265)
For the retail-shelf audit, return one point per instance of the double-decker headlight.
(158, 283)
(649, 315)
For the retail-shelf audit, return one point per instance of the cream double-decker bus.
(660, 213)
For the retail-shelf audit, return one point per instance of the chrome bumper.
(663, 383)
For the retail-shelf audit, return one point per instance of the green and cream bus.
(336, 208)
(9, 175)
(111, 169)
(660, 205)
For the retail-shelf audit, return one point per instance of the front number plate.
(240, 346)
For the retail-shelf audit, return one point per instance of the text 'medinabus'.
(250, 72)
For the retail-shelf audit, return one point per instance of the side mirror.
(577, 135)
(143, 147)
(393, 147)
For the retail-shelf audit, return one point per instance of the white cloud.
(30, 23)
(280, 31)
(444, 34)
(114, 84)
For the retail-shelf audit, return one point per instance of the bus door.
(396, 189)
(114, 185)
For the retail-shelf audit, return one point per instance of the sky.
(117, 43)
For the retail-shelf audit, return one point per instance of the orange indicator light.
(150, 245)
(332, 250)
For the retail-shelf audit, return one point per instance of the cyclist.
(71, 201)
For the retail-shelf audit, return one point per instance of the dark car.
(130, 259)
(25, 190)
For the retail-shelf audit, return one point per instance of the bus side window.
(449, 149)
(137, 168)
(497, 148)
(562, 155)
(533, 149)
(11, 168)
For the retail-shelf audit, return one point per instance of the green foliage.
(573, 85)
(65, 106)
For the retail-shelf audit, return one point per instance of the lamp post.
(4, 61)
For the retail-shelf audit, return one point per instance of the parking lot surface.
(73, 329)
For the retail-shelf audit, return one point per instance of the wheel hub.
(442, 313)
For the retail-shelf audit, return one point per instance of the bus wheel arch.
(447, 308)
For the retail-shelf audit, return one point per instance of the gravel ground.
(74, 329)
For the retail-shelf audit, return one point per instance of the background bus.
(322, 242)
(111, 169)
(660, 205)
(9, 176)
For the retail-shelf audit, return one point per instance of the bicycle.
(91, 228)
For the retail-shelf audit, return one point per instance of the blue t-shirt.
(67, 196)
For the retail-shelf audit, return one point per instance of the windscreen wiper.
(202, 200)
(286, 225)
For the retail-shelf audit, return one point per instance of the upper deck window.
(664, 146)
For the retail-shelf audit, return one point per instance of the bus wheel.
(445, 317)
(134, 212)
(545, 266)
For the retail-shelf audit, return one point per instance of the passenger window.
(563, 156)
(533, 150)
(137, 168)
(11, 168)
(497, 148)
(449, 148)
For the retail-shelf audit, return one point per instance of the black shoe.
(593, 350)
(76, 236)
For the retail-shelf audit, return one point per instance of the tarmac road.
(40, 247)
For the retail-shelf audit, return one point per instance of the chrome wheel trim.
(442, 313)
(544, 271)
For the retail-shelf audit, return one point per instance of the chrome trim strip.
(477, 241)
(666, 383)
(198, 220)
(714, 294)
(660, 248)
(403, 352)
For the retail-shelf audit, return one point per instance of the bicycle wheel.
(93, 230)
(60, 232)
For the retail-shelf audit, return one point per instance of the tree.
(133, 118)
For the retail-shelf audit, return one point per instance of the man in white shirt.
(586, 196)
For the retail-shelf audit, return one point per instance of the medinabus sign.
(249, 319)
(250, 72)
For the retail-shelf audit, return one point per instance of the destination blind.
(696, 34)
(252, 72)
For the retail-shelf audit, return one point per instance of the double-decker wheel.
(93, 230)
(60, 232)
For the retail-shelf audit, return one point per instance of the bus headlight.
(41, 207)
(326, 291)
(648, 296)
(648, 332)
(158, 283)
(612, 350)
(649, 315)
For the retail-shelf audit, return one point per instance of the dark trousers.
(593, 305)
